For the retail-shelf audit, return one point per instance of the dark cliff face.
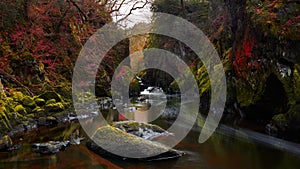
(258, 43)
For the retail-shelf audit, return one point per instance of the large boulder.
(113, 140)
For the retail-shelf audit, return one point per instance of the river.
(228, 148)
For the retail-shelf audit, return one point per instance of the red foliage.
(244, 60)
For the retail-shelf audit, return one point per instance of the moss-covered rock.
(51, 95)
(39, 101)
(38, 110)
(17, 96)
(51, 101)
(127, 145)
(28, 101)
(5, 142)
(2, 95)
(20, 109)
(42, 121)
(51, 120)
(281, 121)
(54, 107)
(4, 121)
(31, 116)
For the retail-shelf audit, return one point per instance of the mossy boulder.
(51, 101)
(38, 110)
(30, 116)
(28, 101)
(20, 109)
(5, 142)
(128, 146)
(51, 95)
(17, 96)
(281, 121)
(39, 101)
(4, 121)
(2, 95)
(54, 107)
(51, 120)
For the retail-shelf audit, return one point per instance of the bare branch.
(134, 7)
(79, 9)
(115, 10)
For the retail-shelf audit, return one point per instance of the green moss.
(17, 96)
(2, 95)
(4, 120)
(30, 116)
(5, 142)
(39, 101)
(51, 101)
(249, 92)
(117, 140)
(50, 118)
(281, 121)
(38, 110)
(50, 95)
(55, 107)
(20, 109)
(28, 101)
(10, 103)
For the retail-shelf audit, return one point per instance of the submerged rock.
(128, 146)
(50, 147)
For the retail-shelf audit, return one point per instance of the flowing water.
(228, 148)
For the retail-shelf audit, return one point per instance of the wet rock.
(281, 121)
(271, 130)
(51, 147)
(42, 121)
(51, 120)
(4, 121)
(113, 139)
(5, 143)
(144, 130)
(75, 139)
